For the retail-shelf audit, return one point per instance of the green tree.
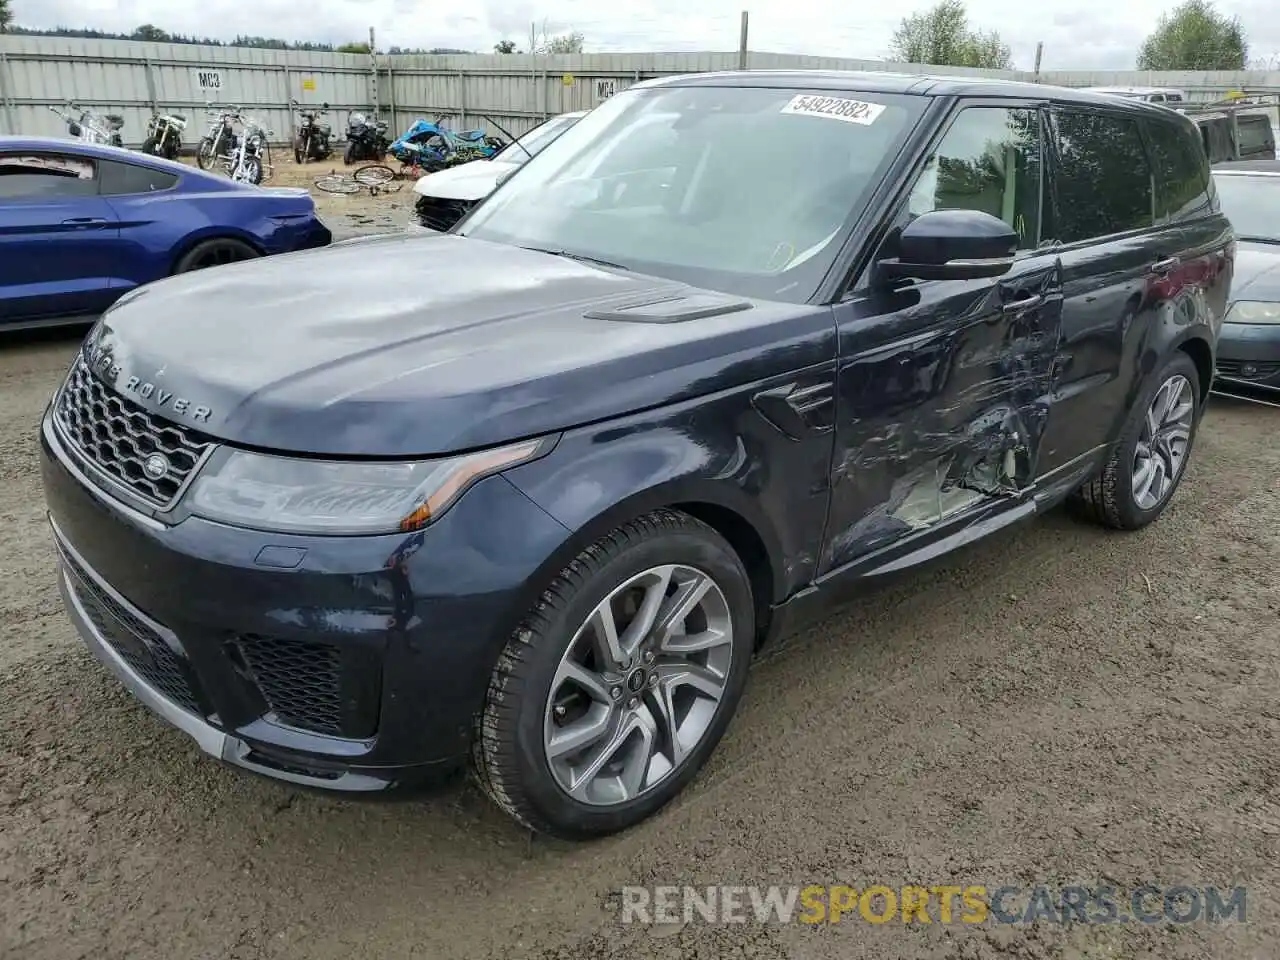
(565, 43)
(353, 48)
(942, 37)
(1194, 36)
(504, 46)
(6, 16)
(151, 33)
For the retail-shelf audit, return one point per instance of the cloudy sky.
(1078, 34)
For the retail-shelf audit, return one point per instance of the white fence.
(514, 90)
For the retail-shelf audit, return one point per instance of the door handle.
(85, 222)
(1165, 266)
(1019, 306)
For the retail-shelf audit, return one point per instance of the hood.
(467, 181)
(433, 344)
(1257, 272)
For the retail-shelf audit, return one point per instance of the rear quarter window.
(119, 179)
(1255, 135)
(1180, 168)
(1102, 178)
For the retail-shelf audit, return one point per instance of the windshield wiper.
(1258, 239)
(580, 257)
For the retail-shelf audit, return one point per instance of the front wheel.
(151, 146)
(349, 155)
(1147, 463)
(620, 682)
(204, 153)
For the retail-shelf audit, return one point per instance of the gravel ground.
(1057, 705)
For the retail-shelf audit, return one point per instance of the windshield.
(742, 189)
(535, 140)
(1252, 204)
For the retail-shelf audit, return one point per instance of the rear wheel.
(1147, 463)
(620, 682)
(349, 155)
(149, 146)
(215, 253)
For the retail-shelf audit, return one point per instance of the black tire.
(1108, 498)
(149, 146)
(349, 155)
(215, 252)
(508, 756)
(204, 153)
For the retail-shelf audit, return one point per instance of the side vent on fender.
(697, 306)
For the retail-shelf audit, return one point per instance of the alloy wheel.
(639, 686)
(1163, 442)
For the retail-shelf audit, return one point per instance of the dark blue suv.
(732, 347)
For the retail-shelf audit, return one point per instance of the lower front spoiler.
(268, 762)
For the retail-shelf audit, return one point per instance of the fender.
(719, 460)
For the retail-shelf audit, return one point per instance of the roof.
(99, 151)
(853, 81)
(1248, 166)
(1140, 91)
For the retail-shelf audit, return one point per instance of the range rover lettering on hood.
(168, 402)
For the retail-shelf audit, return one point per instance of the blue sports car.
(81, 225)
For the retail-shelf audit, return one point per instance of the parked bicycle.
(312, 141)
(89, 126)
(164, 135)
(375, 177)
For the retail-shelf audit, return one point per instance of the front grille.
(1248, 369)
(300, 681)
(435, 213)
(117, 436)
(144, 650)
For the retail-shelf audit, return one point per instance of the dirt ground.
(348, 215)
(1059, 705)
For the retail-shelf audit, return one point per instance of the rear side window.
(46, 177)
(1181, 171)
(1255, 135)
(1102, 180)
(125, 178)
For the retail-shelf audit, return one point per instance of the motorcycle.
(366, 139)
(312, 139)
(91, 126)
(250, 160)
(430, 146)
(164, 135)
(220, 141)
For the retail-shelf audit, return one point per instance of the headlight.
(293, 495)
(1253, 311)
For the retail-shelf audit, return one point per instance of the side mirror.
(952, 245)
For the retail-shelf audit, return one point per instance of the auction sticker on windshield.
(837, 108)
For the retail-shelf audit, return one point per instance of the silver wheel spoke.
(605, 628)
(639, 686)
(655, 593)
(581, 733)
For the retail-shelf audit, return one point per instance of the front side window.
(749, 190)
(989, 160)
(46, 177)
(1181, 170)
(1102, 180)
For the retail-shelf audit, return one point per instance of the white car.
(445, 196)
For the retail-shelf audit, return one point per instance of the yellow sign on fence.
(309, 85)
(567, 79)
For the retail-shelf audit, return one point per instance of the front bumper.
(352, 664)
(1249, 355)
